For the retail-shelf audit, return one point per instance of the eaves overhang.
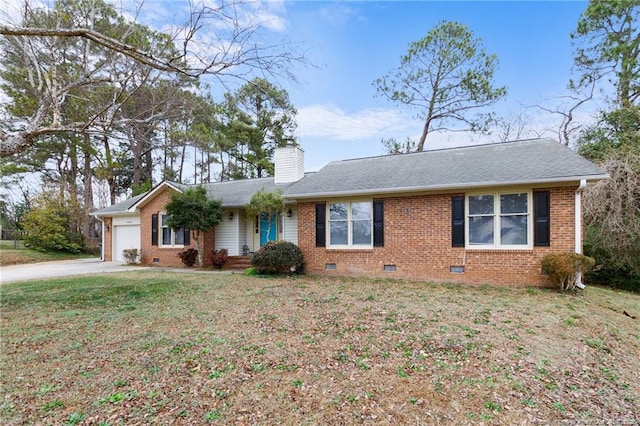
(446, 187)
(113, 213)
(151, 194)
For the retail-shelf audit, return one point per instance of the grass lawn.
(9, 255)
(149, 347)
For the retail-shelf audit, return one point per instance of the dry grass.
(14, 253)
(152, 347)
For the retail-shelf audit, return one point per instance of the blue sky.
(353, 43)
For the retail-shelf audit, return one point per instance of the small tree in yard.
(267, 203)
(193, 210)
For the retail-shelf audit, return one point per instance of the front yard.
(15, 253)
(185, 348)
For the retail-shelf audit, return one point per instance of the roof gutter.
(452, 186)
(112, 214)
(151, 193)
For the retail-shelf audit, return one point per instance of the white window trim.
(161, 234)
(350, 245)
(496, 223)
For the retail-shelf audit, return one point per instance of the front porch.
(242, 235)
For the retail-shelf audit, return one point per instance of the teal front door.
(267, 228)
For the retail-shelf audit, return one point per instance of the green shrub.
(563, 268)
(189, 257)
(609, 270)
(218, 258)
(46, 228)
(278, 257)
(250, 272)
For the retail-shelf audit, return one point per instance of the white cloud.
(339, 15)
(331, 122)
(269, 14)
(11, 10)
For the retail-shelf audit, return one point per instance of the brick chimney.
(289, 164)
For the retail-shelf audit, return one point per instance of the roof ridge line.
(453, 148)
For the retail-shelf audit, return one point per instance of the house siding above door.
(227, 233)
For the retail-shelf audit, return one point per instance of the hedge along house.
(479, 214)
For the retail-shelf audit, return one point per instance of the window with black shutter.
(378, 223)
(321, 227)
(154, 229)
(457, 221)
(541, 218)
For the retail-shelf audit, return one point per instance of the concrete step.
(238, 262)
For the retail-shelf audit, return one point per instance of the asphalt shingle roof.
(520, 162)
(120, 207)
(237, 193)
(509, 163)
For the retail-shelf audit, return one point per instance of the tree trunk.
(75, 213)
(184, 152)
(111, 181)
(423, 137)
(136, 151)
(196, 236)
(88, 191)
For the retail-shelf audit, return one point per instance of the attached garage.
(126, 235)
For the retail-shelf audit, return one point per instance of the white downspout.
(102, 245)
(578, 225)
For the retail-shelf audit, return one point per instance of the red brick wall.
(417, 240)
(108, 242)
(164, 256)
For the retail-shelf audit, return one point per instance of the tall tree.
(232, 51)
(607, 41)
(195, 126)
(262, 119)
(447, 75)
(393, 147)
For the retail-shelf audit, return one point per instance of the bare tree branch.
(567, 126)
(104, 41)
(219, 41)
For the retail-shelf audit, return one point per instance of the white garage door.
(125, 237)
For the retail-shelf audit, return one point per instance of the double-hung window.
(170, 237)
(499, 220)
(351, 224)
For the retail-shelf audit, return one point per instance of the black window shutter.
(321, 225)
(541, 219)
(457, 221)
(154, 229)
(187, 237)
(378, 223)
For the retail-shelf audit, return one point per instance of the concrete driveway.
(61, 268)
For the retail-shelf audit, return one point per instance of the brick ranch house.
(478, 214)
